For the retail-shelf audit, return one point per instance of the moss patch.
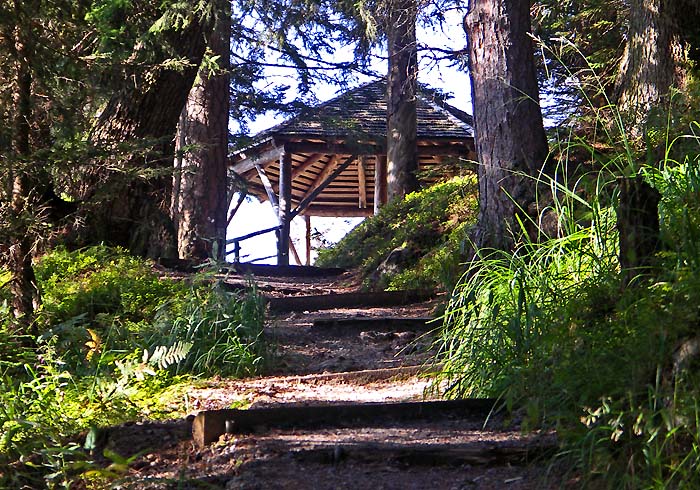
(433, 224)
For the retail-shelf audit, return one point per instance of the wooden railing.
(237, 243)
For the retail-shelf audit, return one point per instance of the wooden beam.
(304, 166)
(268, 188)
(445, 149)
(421, 455)
(208, 425)
(263, 159)
(293, 249)
(251, 235)
(337, 211)
(331, 148)
(380, 193)
(357, 324)
(285, 206)
(322, 176)
(340, 195)
(317, 189)
(361, 182)
(232, 213)
(348, 300)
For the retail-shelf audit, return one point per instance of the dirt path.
(336, 356)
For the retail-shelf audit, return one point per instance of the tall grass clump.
(225, 334)
(498, 322)
(556, 330)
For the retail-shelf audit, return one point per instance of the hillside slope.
(427, 233)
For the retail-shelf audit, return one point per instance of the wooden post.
(379, 182)
(307, 218)
(361, 182)
(285, 206)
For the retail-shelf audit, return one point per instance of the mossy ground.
(433, 224)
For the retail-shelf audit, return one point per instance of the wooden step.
(361, 376)
(429, 455)
(185, 265)
(209, 425)
(285, 270)
(375, 324)
(348, 300)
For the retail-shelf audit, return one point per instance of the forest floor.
(327, 363)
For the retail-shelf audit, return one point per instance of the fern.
(166, 356)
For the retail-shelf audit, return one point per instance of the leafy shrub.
(100, 283)
(102, 304)
(116, 340)
(432, 223)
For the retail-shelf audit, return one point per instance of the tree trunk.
(25, 294)
(133, 203)
(511, 144)
(653, 62)
(402, 160)
(638, 226)
(199, 196)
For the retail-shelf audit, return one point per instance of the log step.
(285, 270)
(184, 265)
(348, 300)
(364, 375)
(209, 425)
(428, 455)
(376, 324)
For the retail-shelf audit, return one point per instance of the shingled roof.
(362, 111)
(335, 148)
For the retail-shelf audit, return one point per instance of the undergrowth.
(431, 225)
(118, 343)
(554, 329)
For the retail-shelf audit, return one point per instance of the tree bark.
(654, 61)
(200, 185)
(134, 211)
(511, 144)
(25, 294)
(402, 81)
(638, 226)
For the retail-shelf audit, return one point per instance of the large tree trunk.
(199, 184)
(402, 161)
(653, 62)
(25, 294)
(133, 207)
(511, 144)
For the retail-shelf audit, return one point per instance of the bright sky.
(254, 216)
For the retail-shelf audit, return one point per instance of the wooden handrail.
(237, 242)
(251, 235)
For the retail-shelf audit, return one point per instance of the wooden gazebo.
(330, 160)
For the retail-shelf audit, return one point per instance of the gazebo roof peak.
(360, 113)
